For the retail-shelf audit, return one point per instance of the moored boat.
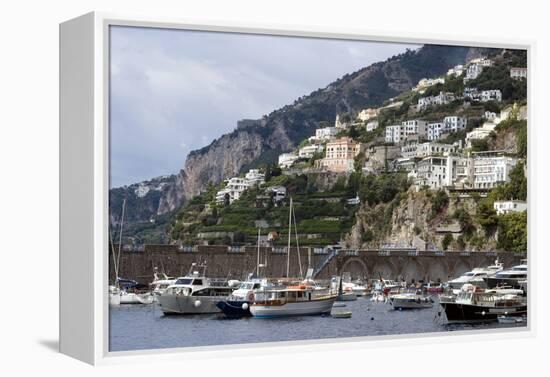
(304, 299)
(474, 304)
(516, 277)
(410, 300)
(194, 294)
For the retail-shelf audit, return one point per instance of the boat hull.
(179, 304)
(234, 308)
(346, 297)
(493, 282)
(461, 313)
(399, 304)
(313, 307)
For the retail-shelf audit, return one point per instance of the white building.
(506, 206)
(435, 130)
(472, 72)
(421, 150)
(491, 170)
(254, 177)
(454, 123)
(286, 160)
(366, 114)
(372, 125)
(393, 133)
(279, 192)
(326, 133)
(438, 172)
(309, 150)
(518, 73)
(471, 94)
(491, 95)
(480, 133)
(456, 71)
(415, 127)
(442, 98)
(426, 83)
(234, 188)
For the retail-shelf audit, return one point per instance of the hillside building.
(503, 207)
(340, 155)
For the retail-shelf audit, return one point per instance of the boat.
(237, 305)
(434, 288)
(475, 304)
(160, 282)
(515, 277)
(410, 300)
(342, 314)
(476, 277)
(511, 320)
(294, 300)
(194, 293)
(344, 295)
(293, 297)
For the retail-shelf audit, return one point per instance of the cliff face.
(412, 217)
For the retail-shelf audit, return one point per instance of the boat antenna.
(289, 233)
(297, 243)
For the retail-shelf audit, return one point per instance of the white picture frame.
(84, 174)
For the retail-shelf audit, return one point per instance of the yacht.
(194, 294)
(515, 277)
(476, 276)
(160, 282)
(344, 295)
(306, 298)
(410, 300)
(237, 305)
(475, 304)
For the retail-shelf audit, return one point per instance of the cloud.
(173, 91)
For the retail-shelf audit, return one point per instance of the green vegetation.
(512, 232)
(439, 201)
(446, 241)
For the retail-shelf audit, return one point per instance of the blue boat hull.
(234, 309)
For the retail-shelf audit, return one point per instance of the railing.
(325, 262)
(235, 249)
(188, 249)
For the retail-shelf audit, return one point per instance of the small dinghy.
(510, 320)
(341, 314)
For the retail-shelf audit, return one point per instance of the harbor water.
(139, 327)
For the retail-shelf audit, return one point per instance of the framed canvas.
(241, 186)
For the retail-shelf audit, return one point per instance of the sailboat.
(237, 305)
(121, 293)
(300, 297)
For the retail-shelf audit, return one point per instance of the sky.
(173, 91)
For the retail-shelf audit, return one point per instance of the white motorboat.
(194, 294)
(160, 282)
(410, 300)
(516, 277)
(476, 277)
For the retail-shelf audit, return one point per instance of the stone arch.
(356, 268)
(386, 269)
(412, 270)
(437, 271)
(458, 268)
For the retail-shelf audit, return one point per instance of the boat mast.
(289, 233)
(120, 235)
(258, 258)
(297, 243)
